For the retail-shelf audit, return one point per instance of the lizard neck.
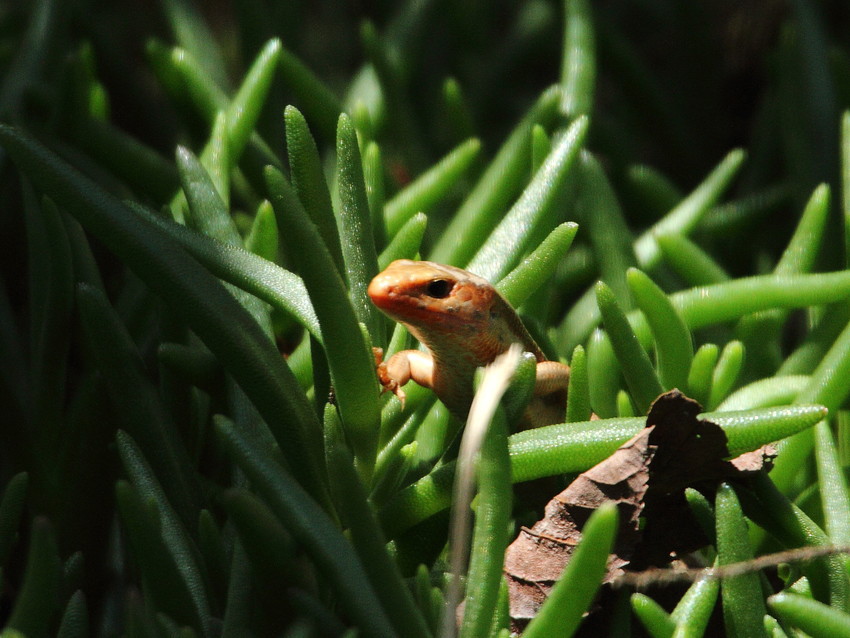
(460, 350)
(514, 326)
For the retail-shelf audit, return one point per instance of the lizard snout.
(380, 288)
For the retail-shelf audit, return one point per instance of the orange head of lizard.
(446, 308)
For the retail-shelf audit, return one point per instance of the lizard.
(464, 323)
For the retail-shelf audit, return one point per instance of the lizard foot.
(388, 383)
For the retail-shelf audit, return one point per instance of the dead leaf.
(646, 478)
(536, 559)
(689, 453)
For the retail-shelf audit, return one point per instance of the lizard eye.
(438, 288)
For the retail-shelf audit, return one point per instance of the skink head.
(432, 297)
(458, 316)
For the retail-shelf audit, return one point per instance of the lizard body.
(464, 323)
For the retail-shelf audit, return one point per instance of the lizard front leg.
(402, 367)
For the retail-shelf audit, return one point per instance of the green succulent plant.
(194, 442)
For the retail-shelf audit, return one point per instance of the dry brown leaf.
(689, 453)
(646, 478)
(536, 559)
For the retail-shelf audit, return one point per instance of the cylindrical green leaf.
(761, 333)
(265, 540)
(75, 618)
(459, 118)
(176, 539)
(244, 109)
(312, 95)
(396, 457)
(689, 211)
(815, 619)
(578, 62)
(845, 181)
(215, 159)
(509, 239)
(603, 373)
(828, 386)
(355, 225)
(35, 601)
(772, 510)
(431, 186)
(707, 305)
(308, 180)
(422, 590)
(373, 178)
(737, 215)
(208, 97)
(748, 430)
(625, 408)
(162, 582)
(774, 628)
(717, 303)
(541, 146)
(489, 539)
(598, 210)
(690, 261)
(240, 592)
(637, 368)
(501, 616)
(743, 601)
(352, 366)
(702, 372)
(809, 354)
(521, 388)
(655, 620)
(214, 556)
(406, 243)
(496, 188)
(191, 31)
(210, 215)
(366, 536)
(51, 294)
(802, 251)
(138, 165)
(725, 373)
(281, 289)
(656, 193)
(569, 599)
(403, 125)
(578, 392)
(832, 485)
(764, 393)
(262, 239)
(519, 284)
(574, 447)
(693, 610)
(674, 348)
